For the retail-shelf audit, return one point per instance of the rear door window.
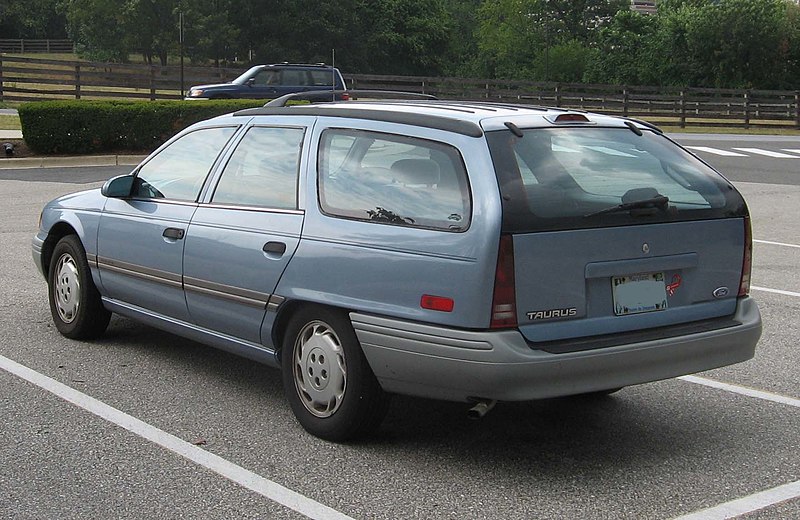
(262, 171)
(577, 177)
(392, 179)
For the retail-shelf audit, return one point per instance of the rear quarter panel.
(385, 269)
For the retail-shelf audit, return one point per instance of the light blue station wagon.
(473, 252)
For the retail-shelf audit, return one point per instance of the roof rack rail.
(327, 96)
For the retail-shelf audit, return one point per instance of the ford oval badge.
(721, 292)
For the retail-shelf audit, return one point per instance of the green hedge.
(80, 127)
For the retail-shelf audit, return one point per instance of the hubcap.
(320, 373)
(67, 290)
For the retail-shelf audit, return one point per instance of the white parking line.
(775, 291)
(768, 153)
(743, 390)
(716, 151)
(776, 243)
(757, 501)
(245, 478)
(747, 504)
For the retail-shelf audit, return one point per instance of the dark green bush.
(79, 127)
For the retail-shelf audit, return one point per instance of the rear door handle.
(275, 248)
(173, 233)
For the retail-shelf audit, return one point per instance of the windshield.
(241, 80)
(568, 178)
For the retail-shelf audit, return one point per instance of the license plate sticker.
(638, 293)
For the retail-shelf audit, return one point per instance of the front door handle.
(275, 248)
(173, 233)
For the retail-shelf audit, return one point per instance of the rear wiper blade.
(659, 201)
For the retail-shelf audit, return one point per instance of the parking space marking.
(756, 501)
(743, 390)
(716, 151)
(775, 291)
(768, 153)
(239, 475)
(776, 243)
(748, 504)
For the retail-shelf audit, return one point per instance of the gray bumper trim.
(442, 363)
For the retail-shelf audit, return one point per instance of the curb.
(57, 162)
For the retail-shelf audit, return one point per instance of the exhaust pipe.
(481, 408)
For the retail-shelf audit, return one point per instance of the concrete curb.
(66, 162)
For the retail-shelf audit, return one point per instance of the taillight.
(345, 96)
(747, 259)
(504, 308)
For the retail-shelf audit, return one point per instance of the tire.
(327, 380)
(75, 302)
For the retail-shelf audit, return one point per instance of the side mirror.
(250, 82)
(118, 187)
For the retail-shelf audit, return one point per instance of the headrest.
(415, 171)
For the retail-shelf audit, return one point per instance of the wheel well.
(56, 233)
(285, 313)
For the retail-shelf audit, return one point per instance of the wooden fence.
(28, 79)
(21, 46)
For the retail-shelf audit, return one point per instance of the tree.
(99, 28)
(515, 35)
(622, 50)
(36, 19)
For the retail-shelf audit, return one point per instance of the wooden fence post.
(625, 101)
(152, 83)
(747, 109)
(683, 108)
(796, 102)
(77, 81)
(558, 96)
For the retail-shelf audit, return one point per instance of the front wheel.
(326, 378)
(75, 302)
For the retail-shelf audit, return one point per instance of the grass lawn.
(9, 122)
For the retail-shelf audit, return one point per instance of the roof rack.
(327, 96)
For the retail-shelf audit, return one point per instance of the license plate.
(637, 293)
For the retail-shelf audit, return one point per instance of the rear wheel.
(326, 378)
(75, 302)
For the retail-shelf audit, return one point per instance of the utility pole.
(180, 46)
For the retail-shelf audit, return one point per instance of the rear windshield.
(569, 178)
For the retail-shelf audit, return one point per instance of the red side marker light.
(436, 303)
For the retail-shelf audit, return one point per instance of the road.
(217, 439)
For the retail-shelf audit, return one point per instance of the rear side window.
(392, 179)
(571, 178)
(322, 78)
(262, 171)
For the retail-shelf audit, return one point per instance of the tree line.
(695, 43)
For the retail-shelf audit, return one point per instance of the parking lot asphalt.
(679, 447)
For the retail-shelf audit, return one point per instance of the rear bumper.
(442, 363)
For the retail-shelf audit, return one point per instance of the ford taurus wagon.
(471, 252)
